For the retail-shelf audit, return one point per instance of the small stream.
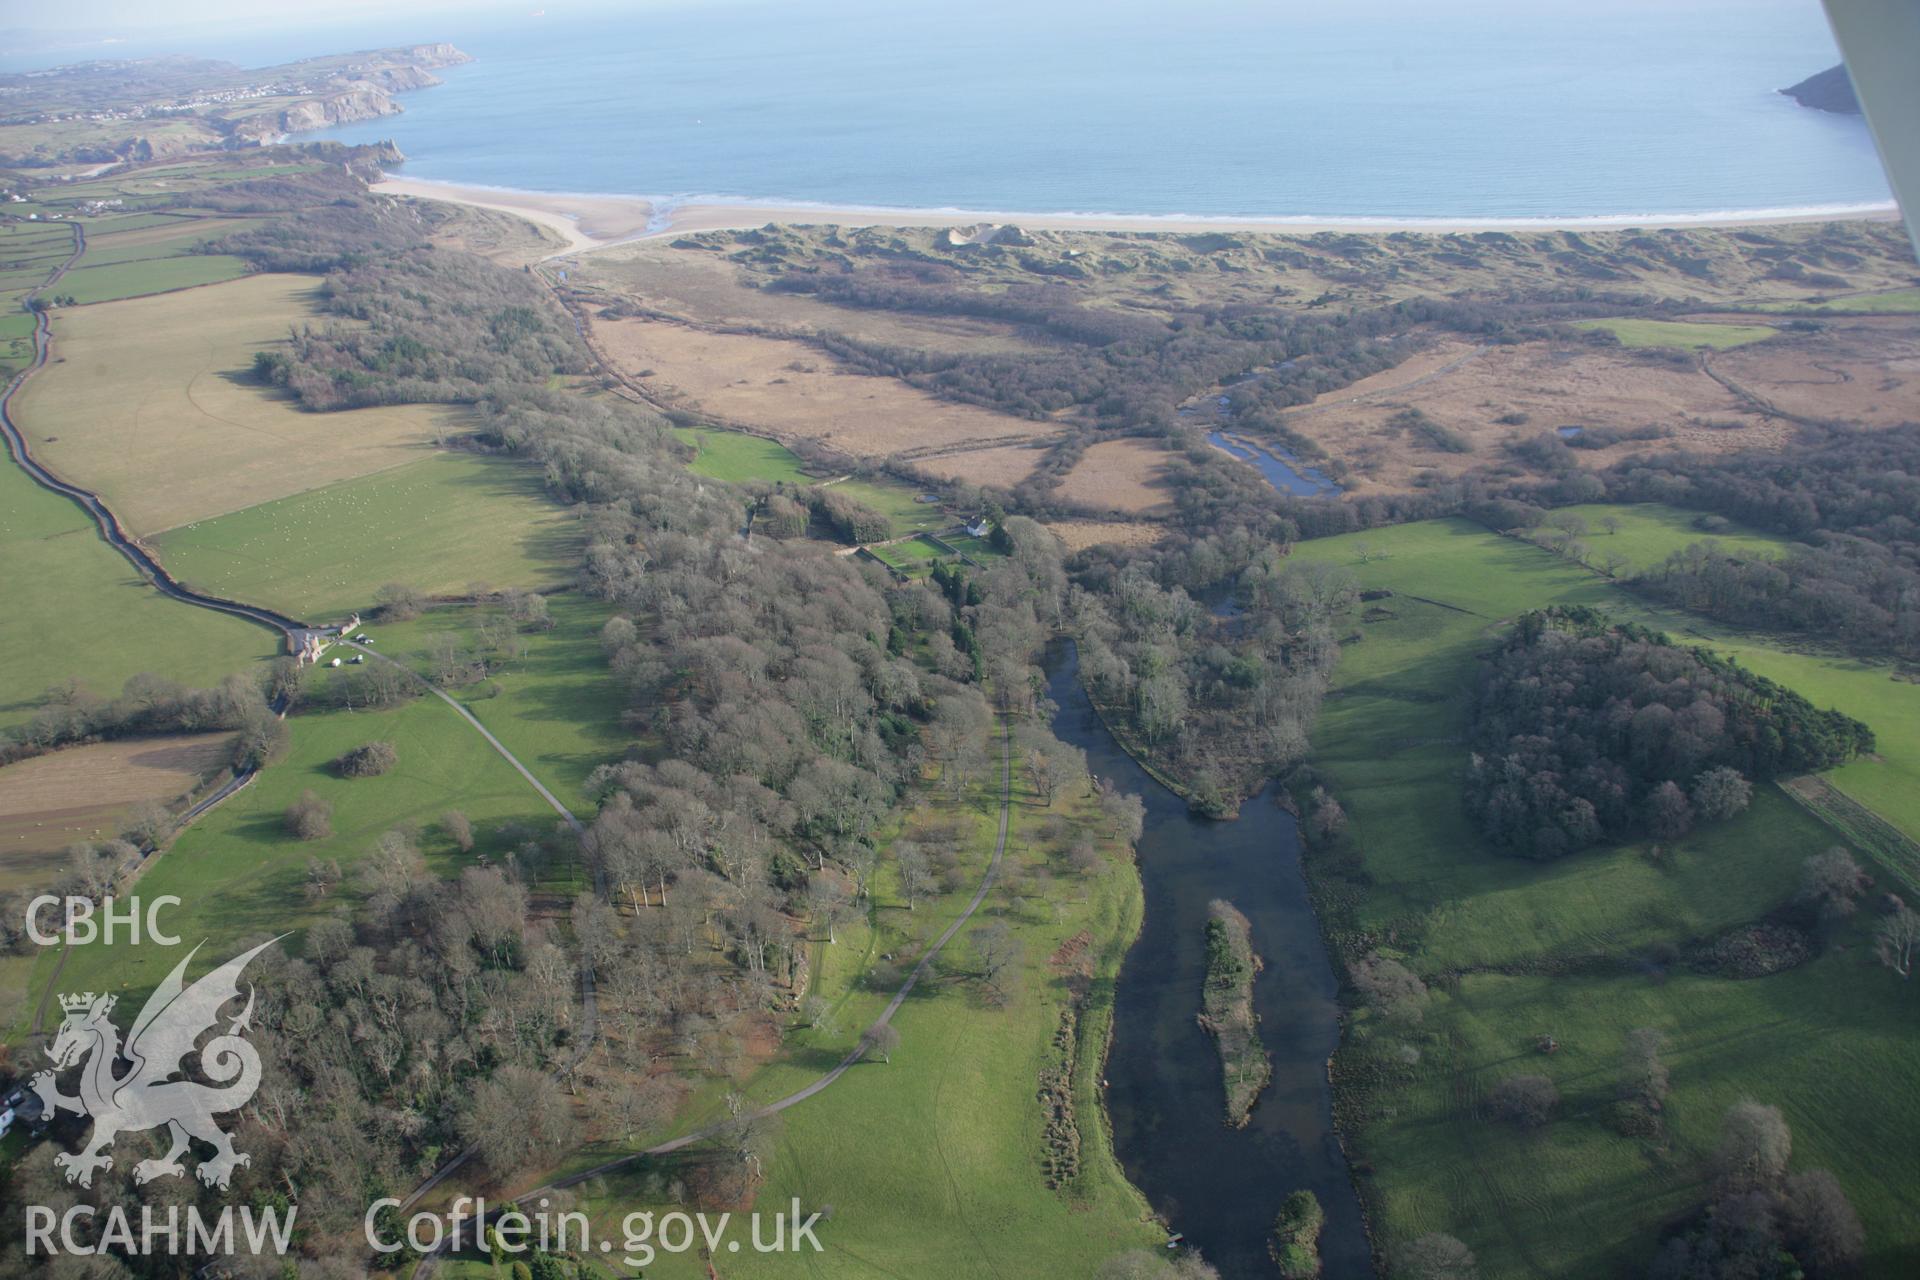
(1219, 1186)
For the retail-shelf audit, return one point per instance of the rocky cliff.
(1829, 90)
(361, 89)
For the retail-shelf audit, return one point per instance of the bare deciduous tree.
(1896, 940)
(309, 817)
(882, 1042)
(1754, 1147)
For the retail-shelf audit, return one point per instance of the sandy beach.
(594, 221)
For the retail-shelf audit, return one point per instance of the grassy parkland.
(1543, 968)
(940, 1158)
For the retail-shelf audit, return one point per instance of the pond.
(1282, 469)
(1219, 1186)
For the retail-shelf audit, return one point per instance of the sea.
(1349, 109)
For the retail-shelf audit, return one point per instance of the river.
(1219, 1186)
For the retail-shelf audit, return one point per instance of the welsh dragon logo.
(146, 1096)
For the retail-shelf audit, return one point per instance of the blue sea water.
(1275, 108)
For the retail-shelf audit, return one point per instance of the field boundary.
(1862, 826)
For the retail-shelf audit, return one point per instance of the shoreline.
(593, 221)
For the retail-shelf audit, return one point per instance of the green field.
(440, 524)
(239, 876)
(914, 557)
(978, 549)
(155, 275)
(895, 500)
(1674, 333)
(739, 458)
(1648, 533)
(558, 707)
(1581, 949)
(16, 342)
(76, 609)
(103, 251)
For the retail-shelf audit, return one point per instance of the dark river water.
(1219, 1186)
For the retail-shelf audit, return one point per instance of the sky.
(256, 33)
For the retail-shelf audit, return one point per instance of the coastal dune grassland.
(442, 524)
(704, 286)
(1478, 344)
(49, 802)
(1519, 957)
(153, 404)
(1865, 373)
(76, 610)
(793, 389)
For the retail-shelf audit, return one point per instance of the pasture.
(82, 793)
(76, 610)
(152, 403)
(139, 278)
(1647, 532)
(896, 501)
(557, 706)
(1583, 949)
(444, 524)
(914, 557)
(154, 243)
(739, 458)
(1635, 334)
